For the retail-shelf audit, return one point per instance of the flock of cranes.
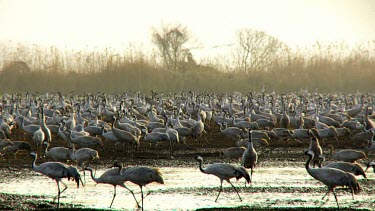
(89, 123)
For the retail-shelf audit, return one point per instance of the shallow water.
(186, 188)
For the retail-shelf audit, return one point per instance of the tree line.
(258, 60)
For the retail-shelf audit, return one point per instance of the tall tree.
(257, 50)
(170, 41)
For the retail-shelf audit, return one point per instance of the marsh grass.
(50, 69)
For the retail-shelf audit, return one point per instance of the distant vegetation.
(332, 67)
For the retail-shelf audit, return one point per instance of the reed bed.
(328, 68)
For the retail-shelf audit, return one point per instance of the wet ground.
(280, 182)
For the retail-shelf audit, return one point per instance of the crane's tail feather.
(74, 174)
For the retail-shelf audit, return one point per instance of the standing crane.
(82, 156)
(141, 176)
(332, 177)
(198, 129)
(113, 177)
(250, 156)
(225, 172)
(56, 171)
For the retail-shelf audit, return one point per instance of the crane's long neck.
(250, 145)
(200, 166)
(307, 165)
(92, 176)
(33, 166)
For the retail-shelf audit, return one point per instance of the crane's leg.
(123, 185)
(59, 192)
(141, 195)
(84, 174)
(337, 202)
(221, 188)
(235, 190)
(114, 195)
(328, 192)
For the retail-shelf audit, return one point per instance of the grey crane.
(326, 133)
(353, 168)
(85, 141)
(46, 130)
(285, 120)
(38, 137)
(112, 177)
(234, 152)
(198, 129)
(318, 152)
(244, 124)
(18, 146)
(225, 172)
(347, 155)
(63, 134)
(265, 123)
(30, 129)
(56, 171)
(332, 178)
(141, 176)
(83, 156)
(231, 132)
(124, 136)
(250, 156)
(300, 134)
(56, 153)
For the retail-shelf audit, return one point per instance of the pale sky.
(112, 23)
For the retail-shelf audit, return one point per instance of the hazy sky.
(81, 23)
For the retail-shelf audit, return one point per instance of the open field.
(280, 180)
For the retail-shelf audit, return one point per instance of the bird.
(225, 172)
(353, 168)
(17, 146)
(285, 119)
(198, 129)
(56, 171)
(42, 122)
(234, 152)
(38, 137)
(113, 177)
(82, 156)
(347, 155)
(143, 175)
(231, 132)
(85, 141)
(332, 177)
(250, 156)
(318, 152)
(56, 153)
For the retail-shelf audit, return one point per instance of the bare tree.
(257, 50)
(170, 41)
